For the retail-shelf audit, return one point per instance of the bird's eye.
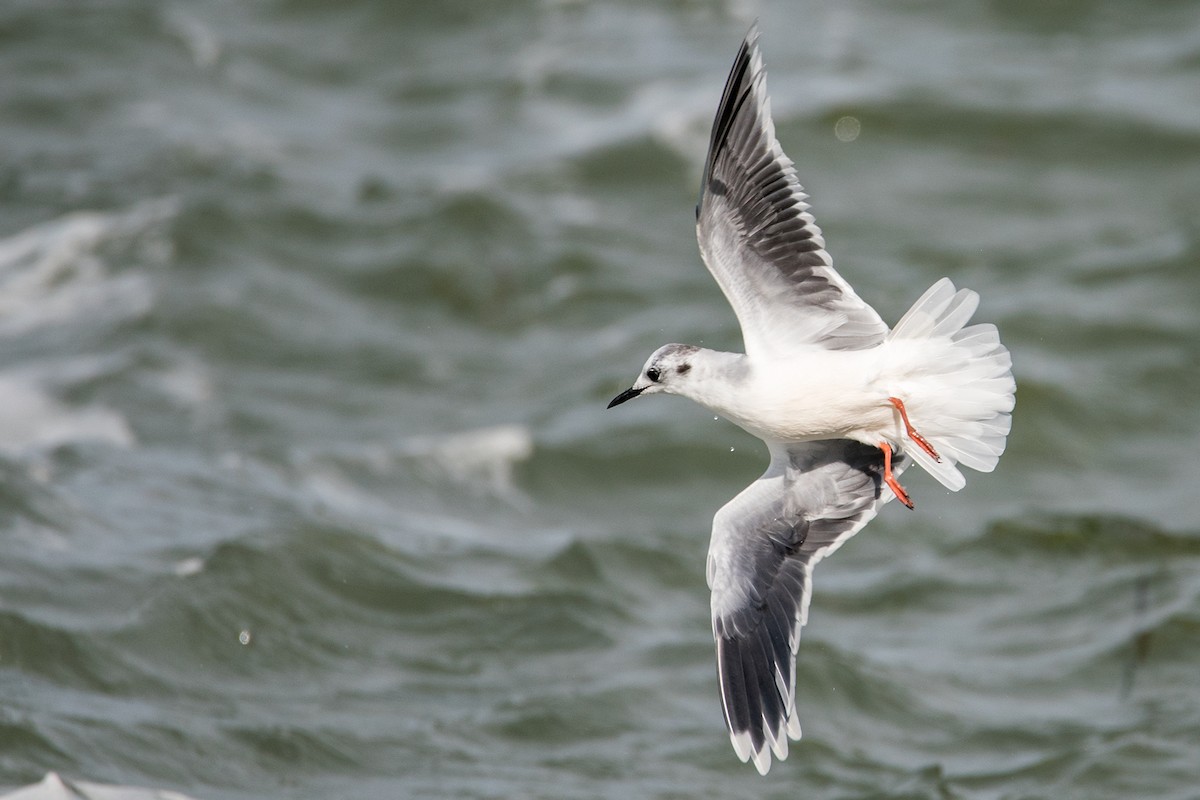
(653, 374)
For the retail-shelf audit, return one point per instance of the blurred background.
(309, 312)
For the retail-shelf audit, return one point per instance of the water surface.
(310, 311)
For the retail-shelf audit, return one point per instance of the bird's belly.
(791, 414)
(803, 422)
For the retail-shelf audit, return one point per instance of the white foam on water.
(54, 787)
(59, 271)
(33, 419)
(482, 459)
(200, 39)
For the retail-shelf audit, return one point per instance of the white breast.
(815, 394)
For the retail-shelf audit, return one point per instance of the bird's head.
(667, 369)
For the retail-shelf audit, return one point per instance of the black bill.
(628, 394)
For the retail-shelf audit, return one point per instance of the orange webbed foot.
(921, 441)
(890, 479)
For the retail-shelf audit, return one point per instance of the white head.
(667, 370)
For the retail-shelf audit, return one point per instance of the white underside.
(955, 382)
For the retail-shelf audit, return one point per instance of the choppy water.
(309, 312)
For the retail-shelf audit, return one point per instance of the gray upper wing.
(765, 542)
(758, 238)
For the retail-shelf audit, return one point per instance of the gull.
(843, 404)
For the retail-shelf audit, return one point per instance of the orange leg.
(890, 479)
(912, 432)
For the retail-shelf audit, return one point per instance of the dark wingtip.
(735, 93)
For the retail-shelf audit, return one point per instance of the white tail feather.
(961, 396)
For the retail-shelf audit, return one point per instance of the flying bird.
(843, 403)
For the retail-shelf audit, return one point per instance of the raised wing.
(758, 238)
(765, 543)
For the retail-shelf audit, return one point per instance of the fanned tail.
(961, 393)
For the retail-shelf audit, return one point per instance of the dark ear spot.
(683, 368)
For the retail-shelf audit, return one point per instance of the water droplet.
(244, 636)
(189, 566)
(846, 129)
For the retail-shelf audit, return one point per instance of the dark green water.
(309, 312)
